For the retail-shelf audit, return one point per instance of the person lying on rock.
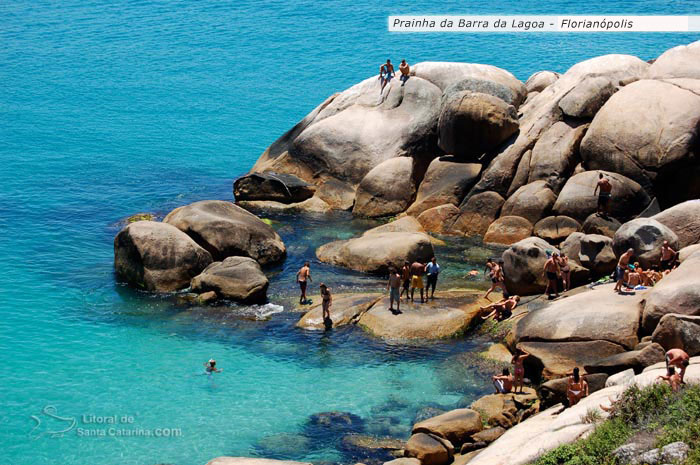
(394, 286)
(417, 271)
(503, 383)
(518, 361)
(678, 358)
(326, 301)
(500, 310)
(672, 378)
(303, 278)
(604, 190)
(552, 273)
(668, 257)
(622, 263)
(576, 387)
(497, 279)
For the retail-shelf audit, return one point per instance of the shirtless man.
(496, 275)
(405, 72)
(500, 309)
(678, 358)
(668, 257)
(621, 268)
(386, 72)
(503, 383)
(551, 272)
(576, 388)
(304, 278)
(417, 272)
(672, 378)
(394, 286)
(519, 369)
(406, 277)
(604, 195)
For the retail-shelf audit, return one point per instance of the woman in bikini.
(519, 370)
(576, 388)
(327, 301)
(565, 271)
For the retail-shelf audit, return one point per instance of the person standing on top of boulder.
(303, 278)
(551, 271)
(668, 257)
(433, 270)
(622, 263)
(604, 191)
(406, 277)
(394, 286)
(519, 371)
(405, 72)
(417, 271)
(386, 72)
(678, 358)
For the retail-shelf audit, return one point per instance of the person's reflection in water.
(325, 358)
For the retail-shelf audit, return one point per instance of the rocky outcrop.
(555, 154)
(636, 360)
(599, 224)
(677, 331)
(226, 230)
(523, 264)
(645, 236)
(346, 309)
(596, 254)
(439, 220)
(678, 62)
(456, 425)
(278, 187)
(587, 97)
(577, 200)
(572, 246)
(508, 230)
(540, 80)
(376, 252)
(551, 360)
(235, 278)
(311, 205)
(686, 252)
(336, 194)
(555, 229)
(157, 256)
(403, 224)
(502, 409)
(445, 181)
(532, 202)
(684, 220)
(477, 214)
(387, 189)
(429, 449)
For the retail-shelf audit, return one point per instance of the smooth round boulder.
(540, 80)
(472, 123)
(684, 220)
(597, 254)
(403, 224)
(157, 256)
(337, 194)
(386, 190)
(533, 202)
(587, 97)
(576, 199)
(686, 252)
(507, 230)
(227, 230)
(550, 360)
(682, 61)
(456, 425)
(555, 155)
(445, 182)
(278, 187)
(636, 360)
(599, 224)
(483, 86)
(572, 246)
(235, 278)
(677, 331)
(523, 263)
(477, 213)
(377, 252)
(439, 220)
(645, 236)
(554, 229)
(429, 450)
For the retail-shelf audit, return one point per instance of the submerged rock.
(251, 461)
(235, 278)
(345, 310)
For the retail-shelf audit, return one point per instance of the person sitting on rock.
(576, 388)
(646, 276)
(633, 278)
(417, 271)
(326, 302)
(303, 278)
(386, 72)
(518, 361)
(210, 367)
(497, 279)
(405, 72)
(604, 190)
(503, 383)
(394, 286)
(406, 277)
(672, 378)
(552, 272)
(680, 359)
(668, 257)
(622, 263)
(500, 310)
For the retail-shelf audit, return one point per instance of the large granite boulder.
(523, 264)
(377, 252)
(477, 214)
(445, 182)
(686, 252)
(508, 230)
(439, 220)
(645, 236)
(636, 360)
(656, 145)
(599, 224)
(510, 95)
(226, 230)
(403, 224)
(235, 278)
(555, 229)
(279, 187)
(157, 256)
(472, 123)
(677, 331)
(337, 194)
(533, 202)
(596, 254)
(572, 246)
(387, 189)
(555, 154)
(540, 80)
(430, 450)
(551, 360)
(577, 200)
(587, 97)
(456, 425)
(684, 220)
(346, 309)
(678, 62)
(310, 205)
(678, 292)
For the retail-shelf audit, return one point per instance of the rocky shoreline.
(469, 150)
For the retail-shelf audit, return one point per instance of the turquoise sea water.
(111, 108)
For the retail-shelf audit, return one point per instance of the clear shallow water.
(110, 108)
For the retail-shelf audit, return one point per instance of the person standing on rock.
(433, 270)
(552, 273)
(386, 72)
(417, 271)
(622, 264)
(326, 302)
(565, 272)
(405, 72)
(604, 191)
(394, 286)
(678, 358)
(304, 278)
(406, 277)
(668, 257)
(496, 275)
(503, 383)
(576, 388)
(519, 369)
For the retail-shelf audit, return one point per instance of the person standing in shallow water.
(604, 191)
(303, 278)
(433, 270)
(394, 286)
(210, 367)
(386, 72)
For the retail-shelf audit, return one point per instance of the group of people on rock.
(629, 275)
(387, 73)
(409, 278)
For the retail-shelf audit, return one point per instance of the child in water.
(210, 367)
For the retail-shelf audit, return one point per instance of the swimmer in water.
(210, 367)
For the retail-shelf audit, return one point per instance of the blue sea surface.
(112, 108)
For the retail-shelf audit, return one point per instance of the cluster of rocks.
(638, 454)
(214, 247)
